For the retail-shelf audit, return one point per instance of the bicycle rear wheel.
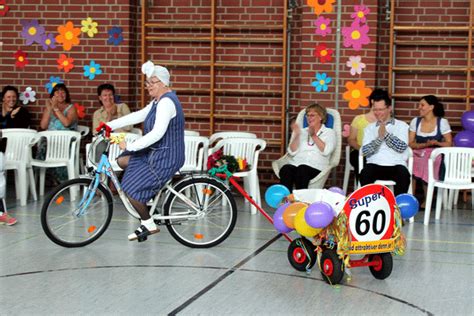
(69, 220)
(217, 221)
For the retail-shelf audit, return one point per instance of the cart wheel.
(299, 259)
(331, 266)
(383, 267)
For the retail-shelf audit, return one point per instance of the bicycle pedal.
(142, 238)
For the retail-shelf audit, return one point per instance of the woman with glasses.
(150, 161)
(310, 149)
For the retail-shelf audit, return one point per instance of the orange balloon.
(291, 211)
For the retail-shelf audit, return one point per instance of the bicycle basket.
(97, 148)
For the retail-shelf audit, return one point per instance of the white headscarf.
(150, 70)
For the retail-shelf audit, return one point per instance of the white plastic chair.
(190, 133)
(347, 170)
(18, 158)
(137, 131)
(115, 151)
(195, 147)
(84, 130)
(319, 181)
(222, 135)
(61, 151)
(458, 175)
(249, 149)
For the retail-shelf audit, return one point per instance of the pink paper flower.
(360, 13)
(355, 64)
(356, 35)
(322, 26)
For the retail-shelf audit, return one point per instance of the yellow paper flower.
(89, 27)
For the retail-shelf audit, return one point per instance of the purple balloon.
(319, 215)
(337, 190)
(464, 139)
(467, 120)
(278, 219)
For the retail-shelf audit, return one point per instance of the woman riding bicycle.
(153, 159)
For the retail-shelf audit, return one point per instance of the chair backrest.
(195, 149)
(18, 140)
(245, 148)
(458, 162)
(137, 131)
(222, 135)
(333, 121)
(408, 154)
(190, 133)
(61, 145)
(115, 151)
(84, 130)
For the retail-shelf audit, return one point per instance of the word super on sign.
(370, 213)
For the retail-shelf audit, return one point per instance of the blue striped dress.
(150, 168)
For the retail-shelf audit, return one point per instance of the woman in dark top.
(13, 115)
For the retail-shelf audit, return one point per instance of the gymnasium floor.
(248, 274)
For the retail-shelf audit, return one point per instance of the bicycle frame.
(104, 167)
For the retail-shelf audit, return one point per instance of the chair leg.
(42, 177)
(17, 187)
(440, 196)
(456, 197)
(347, 171)
(32, 183)
(429, 198)
(253, 192)
(22, 186)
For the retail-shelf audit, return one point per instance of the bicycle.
(198, 210)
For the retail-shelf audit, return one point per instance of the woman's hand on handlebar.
(104, 129)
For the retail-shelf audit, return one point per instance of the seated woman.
(109, 110)
(13, 115)
(427, 132)
(310, 149)
(59, 114)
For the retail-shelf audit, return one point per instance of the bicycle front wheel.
(217, 220)
(74, 216)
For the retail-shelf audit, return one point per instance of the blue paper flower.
(32, 32)
(48, 41)
(92, 70)
(52, 82)
(115, 35)
(322, 81)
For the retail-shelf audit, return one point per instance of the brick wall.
(121, 64)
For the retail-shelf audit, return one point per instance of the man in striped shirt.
(385, 146)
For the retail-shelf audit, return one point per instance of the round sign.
(370, 213)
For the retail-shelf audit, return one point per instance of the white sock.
(149, 224)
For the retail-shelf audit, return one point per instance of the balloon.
(278, 219)
(337, 190)
(408, 205)
(467, 120)
(291, 211)
(275, 194)
(302, 227)
(319, 215)
(464, 139)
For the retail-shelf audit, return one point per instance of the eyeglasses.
(379, 110)
(150, 83)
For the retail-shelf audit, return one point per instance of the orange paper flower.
(65, 63)
(321, 6)
(357, 94)
(68, 35)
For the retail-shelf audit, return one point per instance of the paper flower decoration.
(3, 8)
(356, 35)
(32, 32)
(52, 82)
(115, 35)
(322, 26)
(48, 41)
(321, 6)
(89, 27)
(357, 94)
(92, 70)
(68, 35)
(65, 63)
(80, 110)
(346, 131)
(322, 81)
(28, 96)
(355, 64)
(323, 53)
(20, 57)
(360, 13)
